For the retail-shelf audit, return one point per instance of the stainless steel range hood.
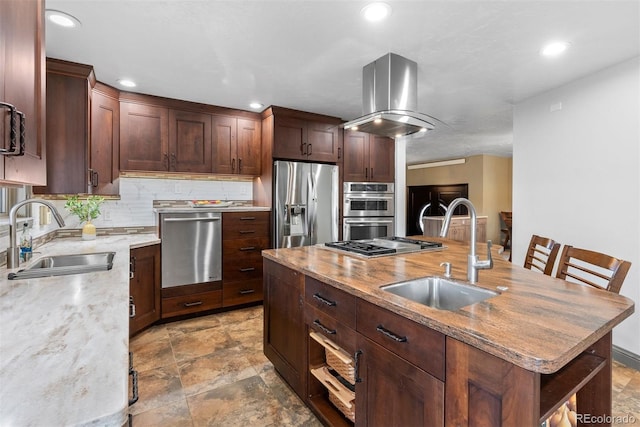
(390, 99)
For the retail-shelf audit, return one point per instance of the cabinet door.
(105, 143)
(289, 138)
(381, 159)
(144, 134)
(393, 392)
(249, 147)
(284, 330)
(356, 156)
(144, 287)
(23, 85)
(67, 132)
(224, 144)
(189, 142)
(322, 142)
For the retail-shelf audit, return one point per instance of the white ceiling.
(476, 59)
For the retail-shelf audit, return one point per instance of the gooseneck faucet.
(13, 251)
(473, 263)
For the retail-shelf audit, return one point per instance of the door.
(249, 147)
(322, 142)
(323, 200)
(144, 136)
(290, 198)
(289, 138)
(189, 142)
(224, 144)
(356, 155)
(144, 287)
(394, 392)
(431, 200)
(382, 151)
(105, 143)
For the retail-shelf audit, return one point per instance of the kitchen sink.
(440, 293)
(59, 265)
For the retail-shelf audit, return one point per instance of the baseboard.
(626, 357)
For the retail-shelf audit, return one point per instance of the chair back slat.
(541, 254)
(608, 270)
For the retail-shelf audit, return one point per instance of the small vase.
(88, 231)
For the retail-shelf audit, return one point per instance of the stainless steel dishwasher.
(191, 248)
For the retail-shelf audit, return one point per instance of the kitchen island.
(510, 360)
(64, 340)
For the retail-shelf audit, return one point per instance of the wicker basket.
(341, 397)
(337, 358)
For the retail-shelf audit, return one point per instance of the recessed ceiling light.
(554, 48)
(375, 12)
(62, 19)
(256, 105)
(127, 83)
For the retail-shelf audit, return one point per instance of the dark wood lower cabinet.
(393, 392)
(144, 287)
(191, 299)
(410, 375)
(284, 329)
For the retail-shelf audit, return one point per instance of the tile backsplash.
(135, 206)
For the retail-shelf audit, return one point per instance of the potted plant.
(85, 211)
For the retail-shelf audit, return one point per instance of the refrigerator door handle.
(311, 207)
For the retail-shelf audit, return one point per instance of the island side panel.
(284, 329)
(483, 390)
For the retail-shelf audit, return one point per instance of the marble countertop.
(539, 323)
(64, 341)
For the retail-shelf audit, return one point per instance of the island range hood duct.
(390, 99)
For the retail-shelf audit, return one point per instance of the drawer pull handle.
(248, 248)
(247, 231)
(248, 269)
(192, 304)
(356, 356)
(324, 328)
(247, 218)
(246, 291)
(324, 300)
(390, 334)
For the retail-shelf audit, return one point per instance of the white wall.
(576, 174)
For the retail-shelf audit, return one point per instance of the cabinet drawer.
(239, 248)
(246, 291)
(332, 301)
(329, 327)
(245, 224)
(413, 342)
(246, 268)
(186, 304)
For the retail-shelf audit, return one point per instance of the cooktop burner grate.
(362, 248)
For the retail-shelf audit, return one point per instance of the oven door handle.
(366, 223)
(368, 196)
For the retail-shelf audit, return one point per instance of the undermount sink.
(440, 293)
(59, 265)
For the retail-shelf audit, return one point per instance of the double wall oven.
(368, 210)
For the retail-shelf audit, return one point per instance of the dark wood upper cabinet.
(144, 137)
(236, 145)
(105, 140)
(368, 158)
(22, 84)
(304, 136)
(189, 141)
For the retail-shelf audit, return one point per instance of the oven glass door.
(367, 228)
(368, 205)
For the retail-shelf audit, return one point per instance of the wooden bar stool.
(542, 254)
(592, 268)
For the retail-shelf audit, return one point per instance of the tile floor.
(210, 371)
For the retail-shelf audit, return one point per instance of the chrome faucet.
(13, 251)
(473, 263)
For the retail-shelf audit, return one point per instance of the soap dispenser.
(25, 243)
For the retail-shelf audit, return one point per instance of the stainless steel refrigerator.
(305, 203)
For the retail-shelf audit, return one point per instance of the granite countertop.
(64, 341)
(232, 208)
(539, 323)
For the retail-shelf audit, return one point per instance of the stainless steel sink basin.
(440, 293)
(59, 265)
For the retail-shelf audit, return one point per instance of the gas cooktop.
(384, 246)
